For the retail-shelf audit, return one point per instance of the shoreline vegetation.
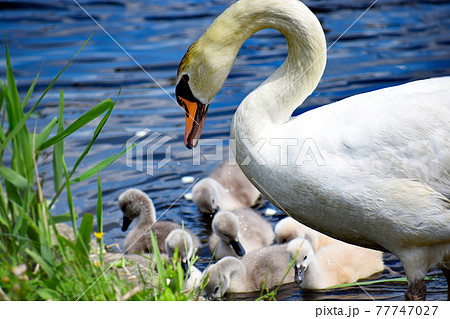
(41, 256)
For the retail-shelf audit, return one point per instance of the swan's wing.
(397, 132)
(390, 141)
(412, 214)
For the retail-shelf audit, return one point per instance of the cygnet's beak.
(299, 274)
(194, 110)
(237, 247)
(185, 267)
(126, 223)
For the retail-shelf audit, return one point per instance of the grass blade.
(161, 270)
(46, 131)
(30, 90)
(100, 218)
(12, 88)
(2, 96)
(100, 166)
(44, 234)
(366, 283)
(72, 212)
(62, 218)
(13, 177)
(84, 119)
(58, 150)
(84, 234)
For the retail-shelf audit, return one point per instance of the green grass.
(33, 265)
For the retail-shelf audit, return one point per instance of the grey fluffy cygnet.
(238, 232)
(181, 241)
(135, 204)
(227, 188)
(265, 267)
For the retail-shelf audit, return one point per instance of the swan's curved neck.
(147, 217)
(277, 97)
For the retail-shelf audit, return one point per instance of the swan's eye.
(185, 78)
(305, 257)
(284, 241)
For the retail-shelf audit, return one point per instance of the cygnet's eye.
(216, 291)
(305, 257)
(284, 241)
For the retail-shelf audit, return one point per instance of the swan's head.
(180, 240)
(133, 202)
(301, 251)
(226, 226)
(207, 195)
(288, 229)
(201, 74)
(218, 277)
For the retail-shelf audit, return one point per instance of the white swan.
(371, 170)
(239, 232)
(334, 264)
(227, 188)
(288, 229)
(266, 267)
(135, 204)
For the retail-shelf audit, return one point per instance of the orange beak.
(195, 112)
(195, 119)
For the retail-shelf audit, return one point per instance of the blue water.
(394, 42)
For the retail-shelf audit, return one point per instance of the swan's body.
(135, 204)
(227, 188)
(372, 170)
(238, 232)
(334, 264)
(266, 267)
(288, 229)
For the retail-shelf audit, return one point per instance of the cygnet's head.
(133, 202)
(288, 229)
(301, 251)
(181, 240)
(219, 277)
(226, 226)
(206, 195)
